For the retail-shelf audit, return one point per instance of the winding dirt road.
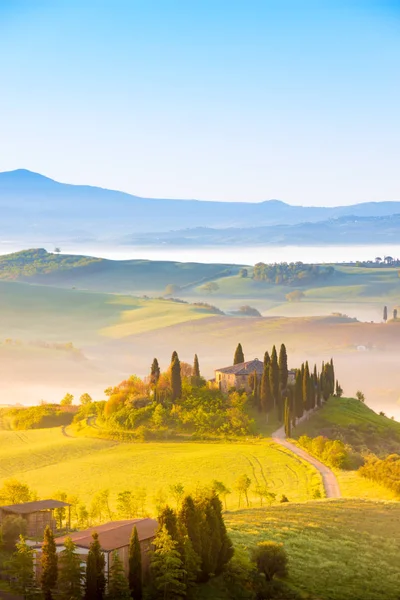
(329, 480)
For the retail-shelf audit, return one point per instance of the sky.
(247, 100)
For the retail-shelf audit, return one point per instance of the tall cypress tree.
(71, 573)
(225, 549)
(274, 378)
(190, 518)
(168, 519)
(283, 368)
(48, 580)
(239, 356)
(306, 387)
(298, 394)
(266, 399)
(266, 358)
(155, 372)
(287, 417)
(135, 567)
(95, 578)
(196, 367)
(176, 379)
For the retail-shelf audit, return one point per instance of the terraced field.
(48, 460)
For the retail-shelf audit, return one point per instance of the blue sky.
(211, 99)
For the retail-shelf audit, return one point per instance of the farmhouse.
(238, 376)
(37, 514)
(112, 536)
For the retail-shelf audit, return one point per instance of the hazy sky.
(212, 99)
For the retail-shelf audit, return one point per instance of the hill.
(32, 205)
(354, 423)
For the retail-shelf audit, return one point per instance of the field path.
(329, 480)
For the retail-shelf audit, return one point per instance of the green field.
(47, 460)
(338, 549)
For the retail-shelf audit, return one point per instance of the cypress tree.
(135, 567)
(95, 578)
(176, 379)
(306, 387)
(48, 580)
(283, 368)
(274, 377)
(239, 356)
(255, 389)
(167, 567)
(298, 395)
(71, 573)
(287, 418)
(225, 548)
(168, 519)
(196, 367)
(155, 372)
(332, 377)
(385, 313)
(118, 587)
(190, 518)
(266, 399)
(266, 358)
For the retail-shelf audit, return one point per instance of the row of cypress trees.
(176, 376)
(63, 577)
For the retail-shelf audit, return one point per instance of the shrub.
(270, 559)
(12, 527)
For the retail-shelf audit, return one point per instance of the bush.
(12, 527)
(270, 559)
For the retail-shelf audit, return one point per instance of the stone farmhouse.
(238, 376)
(112, 536)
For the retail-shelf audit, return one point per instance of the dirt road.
(329, 480)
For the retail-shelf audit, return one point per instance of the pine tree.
(239, 356)
(95, 578)
(283, 368)
(190, 519)
(118, 587)
(135, 567)
(176, 379)
(191, 565)
(155, 372)
(196, 367)
(71, 573)
(21, 570)
(167, 570)
(48, 561)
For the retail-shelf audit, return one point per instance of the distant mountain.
(35, 207)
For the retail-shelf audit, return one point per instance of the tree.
(287, 418)
(167, 567)
(67, 400)
(57, 250)
(196, 367)
(239, 356)
(71, 573)
(21, 570)
(266, 358)
(48, 561)
(100, 505)
(95, 578)
(177, 490)
(135, 567)
(171, 289)
(176, 378)
(221, 490)
(190, 520)
(385, 314)
(306, 387)
(243, 272)
(271, 559)
(127, 505)
(242, 484)
(85, 399)
(298, 395)
(266, 398)
(118, 587)
(274, 377)
(283, 368)
(263, 493)
(295, 296)
(339, 390)
(155, 372)
(14, 492)
(12, 528)
(360, 396)
(210, 287)
(60, 512)
(395, 314)
(168, 519)
(223, 550)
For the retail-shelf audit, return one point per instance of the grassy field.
(47, 460)
(355, 423)
(338, 549)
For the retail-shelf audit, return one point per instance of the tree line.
(290, 273)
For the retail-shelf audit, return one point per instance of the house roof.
(115, 534)
(31, 507)
(246, 368)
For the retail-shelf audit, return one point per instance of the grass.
(47, 460)
(355, 423)
(338, 549)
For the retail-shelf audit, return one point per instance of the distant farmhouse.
(238, 376)
(37, 514)
(112, 536)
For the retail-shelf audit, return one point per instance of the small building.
(37, 514)
(113, 536)
(238, 376)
